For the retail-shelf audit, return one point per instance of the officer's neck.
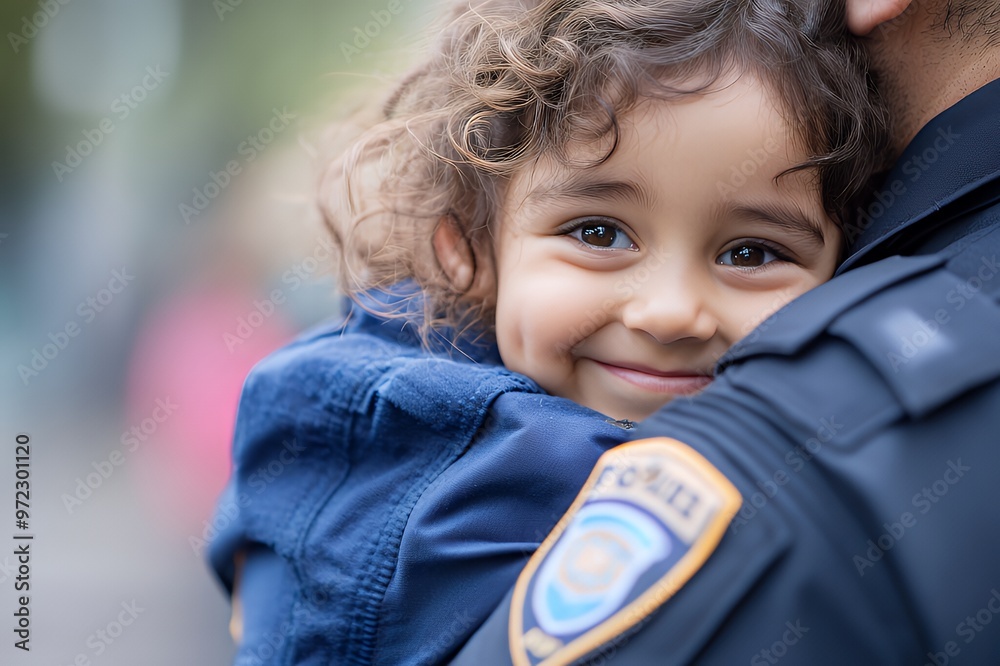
(924, 71)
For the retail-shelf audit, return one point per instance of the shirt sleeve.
(369, 498)
(288, 454)
(476, 525)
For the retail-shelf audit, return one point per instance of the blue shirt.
(384, 497)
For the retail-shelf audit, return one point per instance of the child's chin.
(632, 413)
(636, 414)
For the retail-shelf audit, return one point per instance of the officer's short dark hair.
(972, 19)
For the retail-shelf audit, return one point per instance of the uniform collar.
(397, 312)
(954, 154)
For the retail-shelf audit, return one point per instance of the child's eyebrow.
(579, 187)
(791, 220)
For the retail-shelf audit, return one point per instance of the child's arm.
(367, 481)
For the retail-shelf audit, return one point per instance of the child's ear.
(454, 254)
(863, 16)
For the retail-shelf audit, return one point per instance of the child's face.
(619, 286)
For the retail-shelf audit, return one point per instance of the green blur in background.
(159, 234)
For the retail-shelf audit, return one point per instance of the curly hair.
(511, 80)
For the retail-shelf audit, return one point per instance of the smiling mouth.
(682, 382)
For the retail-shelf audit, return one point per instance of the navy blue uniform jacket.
(861, 427)
(384, 498)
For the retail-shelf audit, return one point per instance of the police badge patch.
(648, 517)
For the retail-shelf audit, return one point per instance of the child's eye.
(601, 233)
(750, 255)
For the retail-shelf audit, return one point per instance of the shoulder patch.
(645, 521)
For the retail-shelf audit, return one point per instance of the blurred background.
(159, 235)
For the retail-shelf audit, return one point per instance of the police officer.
(832, 498)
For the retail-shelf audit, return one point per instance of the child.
(613, 191)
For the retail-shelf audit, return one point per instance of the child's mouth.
(678, 382)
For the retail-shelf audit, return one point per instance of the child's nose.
(670, 307)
